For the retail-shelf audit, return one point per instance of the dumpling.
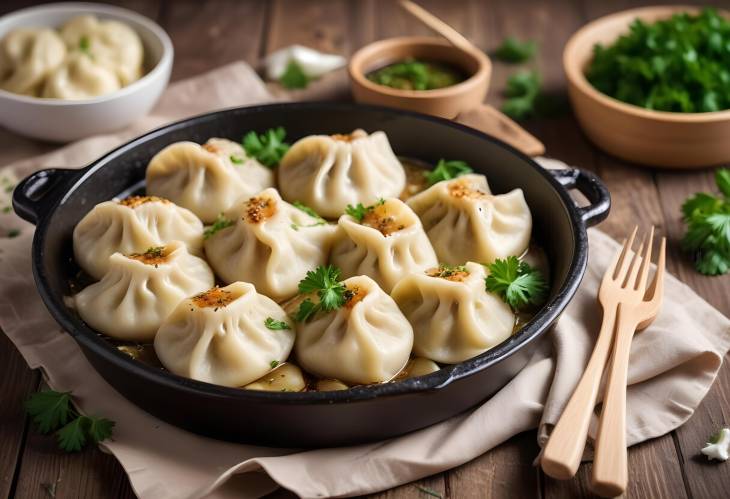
(131, 226)
(284, 377)
(452, 314)
(206, 179)
(330, 172)
(386, 244)
(269, 243)
(367, 340)
(465, 221)
(141, 289)
(221, 336)
(112, 44)
(27, 55)
(80, 77)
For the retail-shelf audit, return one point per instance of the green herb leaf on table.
(514, 51)
(294, 76)
(521, 92)
(52, 411)
(324, 281)
(677, 64)
(447, 170)
(516, 282)
(707, 238)
(220, 223)
(13, 233)
(275, 325)
(268, 148)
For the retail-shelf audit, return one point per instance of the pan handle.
(592, 187)
(36, 193)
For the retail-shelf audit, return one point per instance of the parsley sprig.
(309, 211)
(447, 170)
(516, 282)
(52, 411)
(294, 76)
(220, 223)
(268, 148)
(515, 51)
(324, 281)
(708, 227)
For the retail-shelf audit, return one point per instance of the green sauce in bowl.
(413, 74)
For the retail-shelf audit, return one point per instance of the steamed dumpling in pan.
(131, 226)
(220, 336)
(330, 172)
(367, 340)
(80, 77)
(388, 243)
(111, 44)
(27, 55)
(466, 222)
(206, 179)
(452, 314)
(269, 243)
(141, 289)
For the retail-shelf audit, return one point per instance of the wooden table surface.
(207, 34)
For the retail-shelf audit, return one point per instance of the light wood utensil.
(610, 469)
(561, 456)
(454, 37)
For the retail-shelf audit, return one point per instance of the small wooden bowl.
(656, 138)
(446, 102)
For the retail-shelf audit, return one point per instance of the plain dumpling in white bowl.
(328, 172)
(132, 225)
(79, 77)
(206, 179)
(221, 336)
(466, 222)
(27, 56)
(112, 44)
(386, 244)
(269, 243)
(139, 291)
(367, 340)
(452, 314)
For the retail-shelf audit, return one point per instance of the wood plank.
(212, 33)
(16, 384)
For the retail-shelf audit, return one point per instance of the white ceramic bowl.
(60, 120)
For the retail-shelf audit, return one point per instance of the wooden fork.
(610, 470)
(561, 456)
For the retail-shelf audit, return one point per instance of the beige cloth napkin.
(674, 363)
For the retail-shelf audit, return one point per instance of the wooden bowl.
(445, 102)
(656, 138)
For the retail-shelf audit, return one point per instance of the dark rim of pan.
(538, 325)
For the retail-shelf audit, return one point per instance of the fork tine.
(640, 283)
(633, 267)
(655, 292)
(622, 264)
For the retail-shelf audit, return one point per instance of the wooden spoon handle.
(562, 453)
(454, 37)
(488, 119)
(610, 470)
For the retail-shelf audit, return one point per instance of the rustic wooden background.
(210, 33)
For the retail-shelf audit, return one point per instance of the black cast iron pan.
(56, 199)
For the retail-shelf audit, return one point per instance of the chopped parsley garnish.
(678, 64)
(236, 160)
(309, 211)
(294, 76)
(359, 211)
(85, 45)
(268, 148)
(13, 233)
(324, 282)
(273, 364)
(708, 227)
(518, 284)
(275, 325)
(445, 270)
(52, 411)
(447, 170)
(220, 223)
(155, 252)
(514, 51)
